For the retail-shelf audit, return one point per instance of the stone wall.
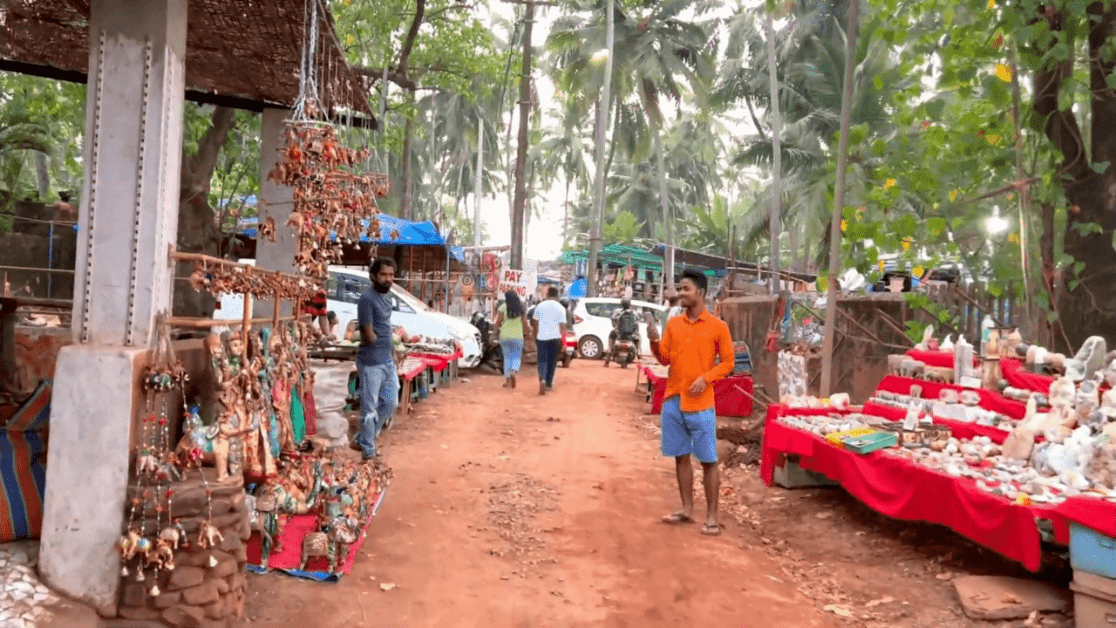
(207, 587)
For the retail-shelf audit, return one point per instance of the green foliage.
(623, 229)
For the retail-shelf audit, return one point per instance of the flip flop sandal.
(708, 530)
(676, 519)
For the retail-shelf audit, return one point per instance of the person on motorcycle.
(624, 324)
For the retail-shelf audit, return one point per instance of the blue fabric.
(375, 309)
(689, 432)
(548, 359)
(393, 231)
(512, 349)
(379, 394)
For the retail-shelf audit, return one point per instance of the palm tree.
(657, 54)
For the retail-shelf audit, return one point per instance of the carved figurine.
(174, 534)
(316, 545)
(161, 557)
(208, 535)
(128, 545)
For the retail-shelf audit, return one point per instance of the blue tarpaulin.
(393, 231)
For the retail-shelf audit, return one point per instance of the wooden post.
(247, 318)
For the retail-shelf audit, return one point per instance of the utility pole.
(478, 190)
(839, 203)
(603, 106)
(777, 159)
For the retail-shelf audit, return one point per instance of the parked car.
(343, 292)
(593, 324)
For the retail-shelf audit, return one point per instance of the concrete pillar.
(275, 202)
(127, 222)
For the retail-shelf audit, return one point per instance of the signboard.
(521, 281)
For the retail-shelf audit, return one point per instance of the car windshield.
(409, 298)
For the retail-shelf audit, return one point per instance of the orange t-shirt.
(690, 349)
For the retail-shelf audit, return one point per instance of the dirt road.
(510, 509)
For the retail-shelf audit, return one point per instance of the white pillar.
(275, 202)
(127, 222)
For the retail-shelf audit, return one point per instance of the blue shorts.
(689, 432)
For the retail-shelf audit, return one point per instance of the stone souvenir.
(1090, 359)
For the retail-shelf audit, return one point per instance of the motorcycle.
(491, 354)
(624, 350)
(569, 348)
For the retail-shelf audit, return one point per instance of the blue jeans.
(379, 394)
(512, 349)
(548, 359)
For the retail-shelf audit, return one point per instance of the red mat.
(289, 543)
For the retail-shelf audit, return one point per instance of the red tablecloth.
(438, 362)
(902, 489)
(411, 368)
(937, 359)
(729, 400)
(1019, 378)
(288, 554)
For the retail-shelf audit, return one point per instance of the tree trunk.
(664, 200)
(520, 201)
(775, 219)
(1087, 302)
(198, 231)
(406, 207)
(42, 170)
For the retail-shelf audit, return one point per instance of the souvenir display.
(331, 204)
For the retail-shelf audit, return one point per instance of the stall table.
(903, 489)
(730, 401)
(409, 370)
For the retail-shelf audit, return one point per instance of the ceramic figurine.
(316, 545)
(208, 535)
(173, 534)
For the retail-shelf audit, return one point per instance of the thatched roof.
(244, 53)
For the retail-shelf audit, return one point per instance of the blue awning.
(393, 232)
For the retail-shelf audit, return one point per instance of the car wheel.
(590, 348)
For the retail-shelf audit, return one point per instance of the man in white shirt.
(549, 324)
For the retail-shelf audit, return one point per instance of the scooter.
(623, 350)
(491, 354)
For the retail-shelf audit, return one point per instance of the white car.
(593, 324)
(343, 292)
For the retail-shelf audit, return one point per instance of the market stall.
(732, 394)
(983, 460)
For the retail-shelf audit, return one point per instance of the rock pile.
(23, 599)
(206, 588)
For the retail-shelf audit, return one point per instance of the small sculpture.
(128, 545)
(173, 534)
(1088, 360)
(208, 535)
(316, 545)
(161, 557)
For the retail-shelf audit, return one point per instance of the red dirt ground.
(510, 509)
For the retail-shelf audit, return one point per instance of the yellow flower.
(917, 271)
(991, 4)
(890, 183)
(881, 266)
(1003, 73)
(844, 226)
(992, 139)
(907, 241)
(1013, 238)
(348, 40)
(953, 194)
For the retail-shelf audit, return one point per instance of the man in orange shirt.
(689, 346)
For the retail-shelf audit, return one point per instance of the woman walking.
(509, 319)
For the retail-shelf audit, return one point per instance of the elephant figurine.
(316, 545)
